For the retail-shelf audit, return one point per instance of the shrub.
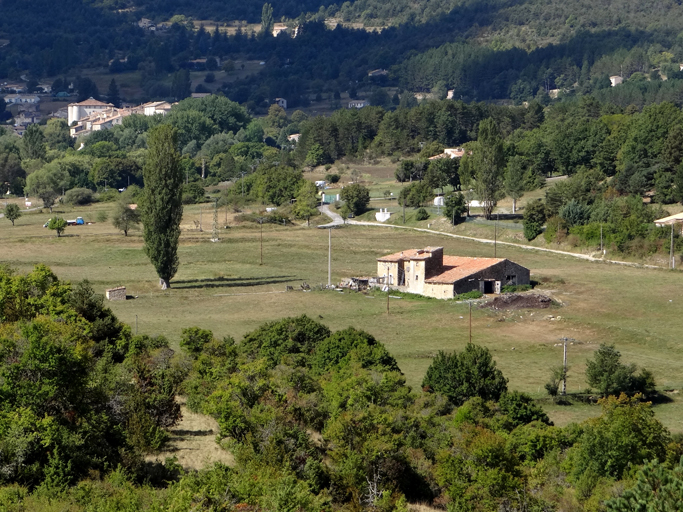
(532, 230)
(470, 373)
(474, 294)
(534, 218)
(626, 434)
(195, 190)
(188, 199)
(611, 377)
(515, 288)
(332, 178)
(356, 197)
(193, 340)
(349, 345)
(521, 409)
(78, 196)
(108, 196)
(421, 214)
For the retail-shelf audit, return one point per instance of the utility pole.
(388, 299)
(495, 236)
(329, 257)
(214, 233)
(564, 366)
(261, 222)
(200, 219)
(203, 167)
(671, 249)
(470, 303)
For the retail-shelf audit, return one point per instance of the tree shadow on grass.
(229, 282)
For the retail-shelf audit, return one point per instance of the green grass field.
(222, 287)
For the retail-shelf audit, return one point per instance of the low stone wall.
(116, 293)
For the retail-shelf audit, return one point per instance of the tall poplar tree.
(162, 207)
(488, 161)
(267, 21)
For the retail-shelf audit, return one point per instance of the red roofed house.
(428, 272)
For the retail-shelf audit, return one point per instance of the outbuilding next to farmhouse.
(428, 272)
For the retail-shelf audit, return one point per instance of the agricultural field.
(223, 287)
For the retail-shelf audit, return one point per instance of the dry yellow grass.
(193, 442)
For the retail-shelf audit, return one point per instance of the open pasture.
(222, 287)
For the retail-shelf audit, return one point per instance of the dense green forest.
(316, 420)
(481, 50)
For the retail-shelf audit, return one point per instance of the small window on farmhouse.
(415, 277)
(511, 280)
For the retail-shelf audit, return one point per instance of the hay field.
(222, 287)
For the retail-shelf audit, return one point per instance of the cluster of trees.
(610, 154)
(80, 393)
(315, 420)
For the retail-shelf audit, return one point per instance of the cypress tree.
(162, 207)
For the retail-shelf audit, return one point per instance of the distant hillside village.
(92, 115)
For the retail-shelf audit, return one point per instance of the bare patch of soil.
(519, 301)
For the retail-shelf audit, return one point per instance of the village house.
(27, 118)
(281, 102)
(279, 28)
(375, 73)
(428, 272)
(359, 103)
(99, 120)
(103, 116)
(20, 99)
(449, 153)
(615, 80)
(78, 111)
(153, 108)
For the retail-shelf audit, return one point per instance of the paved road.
(338, 221)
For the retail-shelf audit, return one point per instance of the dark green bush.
(421, 214)
(474, 294)
(515, 288)
(78, 196)
(461, 376)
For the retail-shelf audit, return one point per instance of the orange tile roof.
(410, 254)
(91, 102)
(456, 268)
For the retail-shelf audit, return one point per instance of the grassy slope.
(221, 286)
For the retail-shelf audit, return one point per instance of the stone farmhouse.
(428, 272)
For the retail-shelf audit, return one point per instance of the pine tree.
(113, 94)
(162, 207)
